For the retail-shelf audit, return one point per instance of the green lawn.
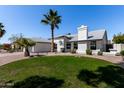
(61, 71)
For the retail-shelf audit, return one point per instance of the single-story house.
(42, 45)
(84, 39)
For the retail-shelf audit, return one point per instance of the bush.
(117, 54)
(63, 50)
(6, 46)
(73, 51)
(89, 52)
(11, 50)
(122, 53)
(100, 53)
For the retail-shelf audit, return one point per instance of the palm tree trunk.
(52, 40)
(26, 53)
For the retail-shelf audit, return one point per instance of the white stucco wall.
(82, 35)
(122, 46)
(82, 46)
(59, 46)
(82, 32)
(118, 47)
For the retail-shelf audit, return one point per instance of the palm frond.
(58, 20)
(24, 42)
(45, 21)
(2, 31)
(1, 25)
(55, 13)
(46, 17)
(52, 19)
(57, 26)
(51, 12)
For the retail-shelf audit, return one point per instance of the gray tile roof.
(40, 40)
(74, 38)
(97, 34)
(92, 35)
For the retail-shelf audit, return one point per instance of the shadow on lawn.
(113, 76)
(39, 82)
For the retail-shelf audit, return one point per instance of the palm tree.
(2, 30)
(25, 43)
(53, 19)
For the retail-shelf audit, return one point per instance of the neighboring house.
(42, 45)
(117, 48)
(95, 40)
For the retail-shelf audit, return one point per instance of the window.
(93, 45)
(75, 45)
(68, 45)
(60, 43)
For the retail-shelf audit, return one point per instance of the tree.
(53, 20)
(2, 30)
(13, 39)
(25, 43)
(118, 39)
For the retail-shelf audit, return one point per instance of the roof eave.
(85, 40)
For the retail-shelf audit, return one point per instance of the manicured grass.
(61, 71)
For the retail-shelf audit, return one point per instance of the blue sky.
(26, 20)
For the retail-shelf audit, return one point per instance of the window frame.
(93, 45)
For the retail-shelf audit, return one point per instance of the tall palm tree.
(2, 30)
(25, 43)
(53, 20)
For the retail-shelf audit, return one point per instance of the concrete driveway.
(6, 58)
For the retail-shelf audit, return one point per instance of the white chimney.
(82, 32)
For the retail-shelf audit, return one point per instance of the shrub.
(73, 51)
(6, 46)
(122, 53)
(100, 53)
(63, 50)
(117, 54)
(11, 50)
(89, 52)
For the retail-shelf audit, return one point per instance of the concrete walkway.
(6, 58)
(113, 59)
